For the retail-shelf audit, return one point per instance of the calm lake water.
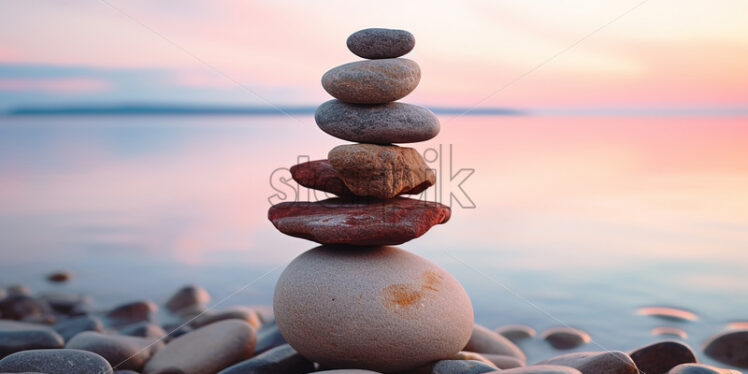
(564, 220)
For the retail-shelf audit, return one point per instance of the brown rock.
(336, 221)
(121, 351)
(483, 340)
(381, 171)
(372, 82)
(610, 362)
(565, 337)
(243, 313)
(189, 296)
(660, 357)
(730, 348)
(516, 332)
(319, 175)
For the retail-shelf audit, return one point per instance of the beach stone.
(243, 313)
(18, 289)
(462, 367)
(660, 357)
(279, 360)
(376, 43)
(136, 311)
(336, 221)
(542, 369)
(121, 351)
(700, 369)
(206, 350)
(504, 361)
(483, 340)
(67, 303)
(268, 338)
(20, 306)
(320, 175)
(372, 82)
(381, 171)
(610, 362)
(187, 297)
(20, 336)
(465, 355)
(516, 332)
(730, 348)
(55, 361)
(67, 328)
(375, 308)
(59, 276)
(378, 124)
(144, 329)
(565, 337)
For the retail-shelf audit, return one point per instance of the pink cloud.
(56, 85)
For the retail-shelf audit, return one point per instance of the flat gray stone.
(376, 43)
(70, 327)
(378, 124)
(462, 367)
(55, 361)
(609, 362)
(279, 360)
(20, 336)
(516, 332)
(372, 81)
(121, 351)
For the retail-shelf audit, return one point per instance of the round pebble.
(378, 124)
(133, 312)
(371, 308)
(372, 82)
(21, 336)
(565, 337)
(700, 369)
(189, 296)
(121, 351)
(237, 312)
(59, 276)
(55, 361)
(279, 360)
(68, 328)
(462, 367)
(668, 313)
(516, 332)
(730, 347)
(376, 43)
(662, 356)
(483, 340)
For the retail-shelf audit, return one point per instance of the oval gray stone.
(376, 43)
(483, 340)
(516, 332)
(279, 360)
(372, 81)
(378, 124)
(610, 362)
(700, 369)
(188, 296)
(462, 367)
(730, 348)
(565, 337)
(72, 326)
(20, 336)
(55, 361)
(121, 351)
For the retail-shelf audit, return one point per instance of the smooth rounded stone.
(381, 171)
(319, 175)
(206, 350)
(268, 338)
(188, 296)
(700, 369)
(337, 221)
(21, 336)
(121, 351)
(668, 313)
(609, 362)
(730, 348)
(279, 360)
(483, 340)
(660, 357)
(542, 369)
(21, 306)
(565, 337)
(465, 355)
(243, 313)
(462, 367)
(503, 361)
(377, 43)
(133, 312)
(379, 124)
(67, 303)
(143, 329)
(372, 82)
(60, 276)
(55, 361)
(516, 332)
(375, 308)
(70, 327)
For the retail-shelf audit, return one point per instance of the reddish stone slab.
(339, 221)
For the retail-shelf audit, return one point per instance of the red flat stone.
(338, 221)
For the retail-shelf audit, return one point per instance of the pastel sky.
(655, 54)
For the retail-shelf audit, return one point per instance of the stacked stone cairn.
(356, 301)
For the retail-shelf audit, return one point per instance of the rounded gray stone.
(189, 296)
(372, 81)
(55, 361)
(516, 332)
(375, 308)
(462, 367)
(377, 43)
(565, 337)
(611, 362)
(121, 351)
(379, 124)
(73, 326)
(483, 340)
(21, 336)
(279, 360)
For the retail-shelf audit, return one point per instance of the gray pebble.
(20, 336)
(133, 312)
(243, 313)
(121, 351)
(67, 303)
(268, 338)
(565, 337)
(372, 81)
(542, 369)
(21, 306)
(56, 361)
(610, 362)
(462, 367)
(143, 329)
(483, 340)
(188, 296)
(279, 360)
(376, 43)
(72, 326)
(516, 332)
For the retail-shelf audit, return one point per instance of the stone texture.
(132, 312)
(279, 360)
(700, 369)
(372, 82)
(660, 357)
(730, 348)
(462, 367)
(379, 124)
(206, 350)
(243, 313)
(320, 175)
(610, 362)
(68, 328)
(377, 43)
(516, 332)
(381, 171)
(335, 221)
(20, 336)
(483, 340)
(55, 361)
(121, 351)
(371, 308)
(565, 337)
(542, 369)
(187, 297)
